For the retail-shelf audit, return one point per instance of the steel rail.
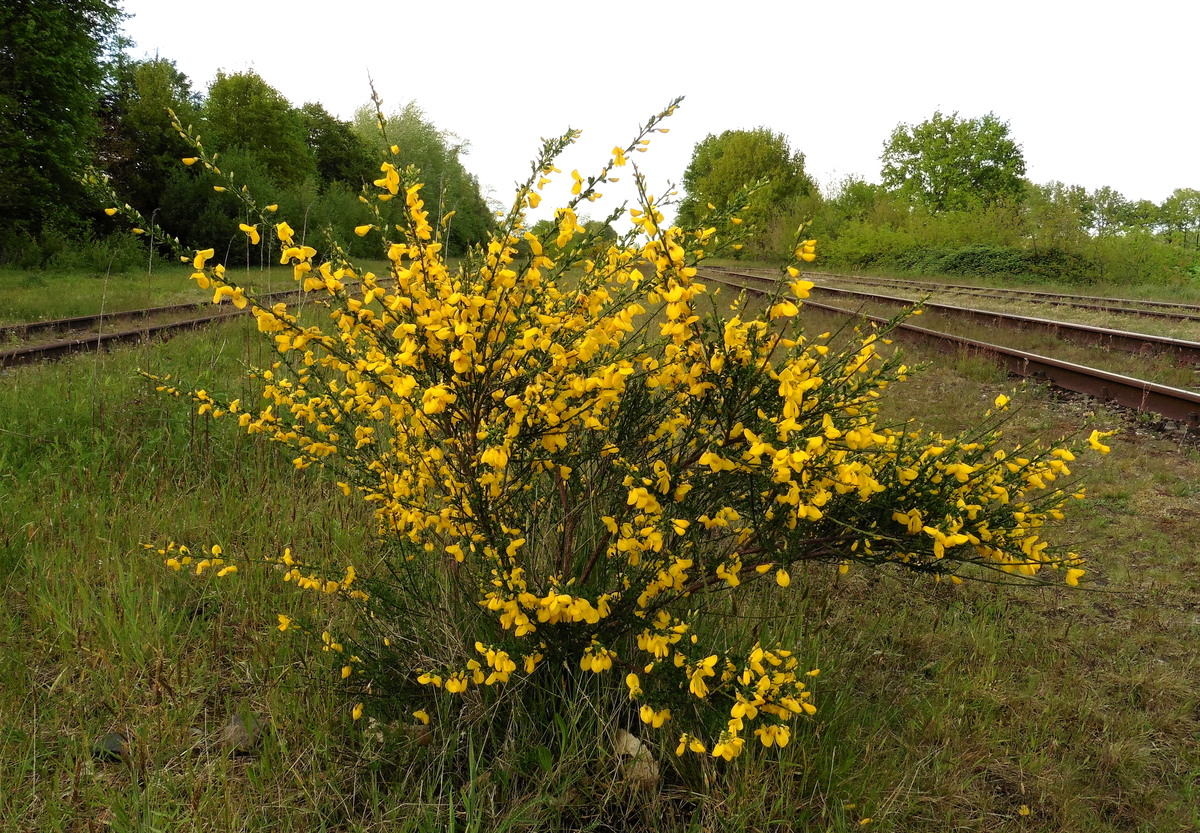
(31, 353)
(97, 339)
(1136, 394)
(1129, 306)
(27, 330)
(1033, 293)
(1183, 351)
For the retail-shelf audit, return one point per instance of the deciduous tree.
(340, 152)
(949, 163)
(1180, 214)
(244, 112)
(723, 164)
(50, 81)
(436, 153)
(139, 148)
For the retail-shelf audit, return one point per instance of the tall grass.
(940, 707)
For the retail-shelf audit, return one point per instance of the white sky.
(1097, 93)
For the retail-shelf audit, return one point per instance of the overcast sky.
(1096, 93)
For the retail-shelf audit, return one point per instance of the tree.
(952, 164)
(140, 149)
(722, 165)
(449, 187)
(246, 113)
(50, 81)
(1111, 211)
(340, 153)
(1058, 215)
(1180, 215)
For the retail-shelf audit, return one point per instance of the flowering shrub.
(568, 460)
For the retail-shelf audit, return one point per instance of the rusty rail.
(1137, 394)
(1183, 351)
(1126, 306)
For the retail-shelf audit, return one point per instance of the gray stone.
(112, 747)
(241, 733)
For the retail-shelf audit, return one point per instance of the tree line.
(953, 199)
(71, 96)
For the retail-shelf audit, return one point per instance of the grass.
(941, 708)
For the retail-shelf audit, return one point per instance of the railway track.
(1126, 306)
(64, 336)
(1176, 404)
(1181, 351)
(1173, 403)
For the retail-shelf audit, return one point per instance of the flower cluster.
(573, 447)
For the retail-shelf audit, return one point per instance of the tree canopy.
(449, 187)
(244, 112)
(340, 153)
(722, 165)
(948, 163)
(51, 75)
(139, 148)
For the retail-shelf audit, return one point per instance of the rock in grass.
(111, 748)
(642, 770)
(241, 733)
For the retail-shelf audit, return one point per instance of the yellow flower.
(110, 211)
(1096, 437)
(362, 230)
(1002, 401)
(422, 716)
(1073, 576)
(272, 208)
(346, 671)
(284, 232)
(224, 571)
(190, 160)
(390, 179)
(284, 622)
(784, 309)
(618, 157)
(783, 578)
(139, 231)
(251, 232)
(202, 257)
(218, 188)
(357, 711)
